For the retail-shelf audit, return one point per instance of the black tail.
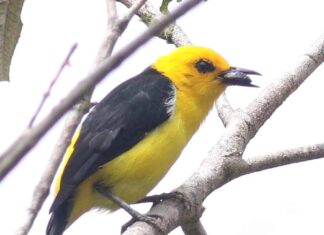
(58, 221)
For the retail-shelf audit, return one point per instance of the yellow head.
(200, 69)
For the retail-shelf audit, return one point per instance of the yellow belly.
(136, 172)
(133, 174)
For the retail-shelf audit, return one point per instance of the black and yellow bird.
(134, 135)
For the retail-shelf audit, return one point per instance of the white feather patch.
(170, 102)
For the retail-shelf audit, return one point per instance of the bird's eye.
(204, 66)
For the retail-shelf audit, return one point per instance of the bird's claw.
(155, 199)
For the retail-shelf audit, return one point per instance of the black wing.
(117, 123)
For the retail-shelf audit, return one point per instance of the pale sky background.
(266, 36)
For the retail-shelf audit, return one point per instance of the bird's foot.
(136, 216)
(155, 199)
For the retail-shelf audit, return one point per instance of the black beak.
(238, 76)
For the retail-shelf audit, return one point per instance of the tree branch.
(224, 161)
(149, 15)
(276, 93)
(224, 109)
(133, 9)
(193, 228)
(284, 157)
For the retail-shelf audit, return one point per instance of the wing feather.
(118, 122)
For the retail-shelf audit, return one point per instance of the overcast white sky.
(266, 36)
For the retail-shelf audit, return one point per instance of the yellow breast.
(134, 173)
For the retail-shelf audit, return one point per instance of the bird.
(132, 137)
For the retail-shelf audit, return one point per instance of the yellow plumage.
(132, 174)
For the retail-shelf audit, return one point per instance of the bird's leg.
(155, 199)
(120, 202)
(136, 216)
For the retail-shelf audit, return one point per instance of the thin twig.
(284, 157)
(224, 109)
(134, 8)
(111, 11)
(65, 63)
(111, 35)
